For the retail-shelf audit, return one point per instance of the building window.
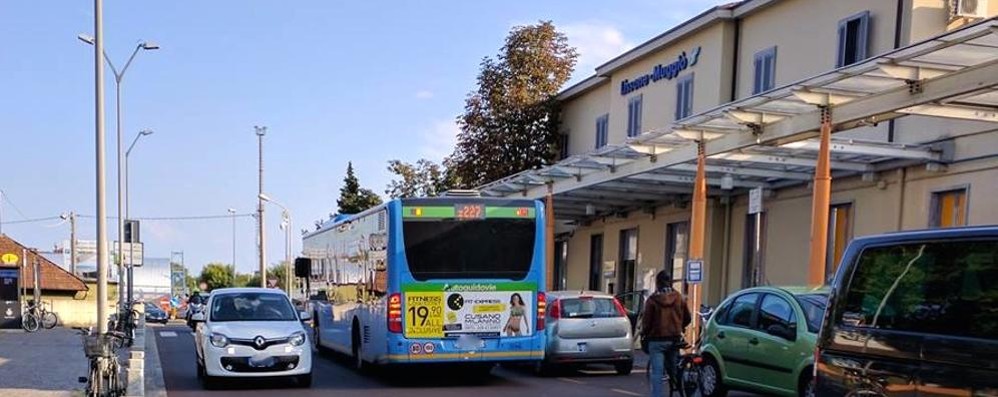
(634, 115)
(854, 33)
(765, 70)
(563, 146)
(949, 208)
(839, 235)
(754, 270)
(684, 97)
(602, 130)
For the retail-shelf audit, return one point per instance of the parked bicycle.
(104, 376)
(125, 322)
(36, 316)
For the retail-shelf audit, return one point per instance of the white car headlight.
(297, 339)
(218, 340)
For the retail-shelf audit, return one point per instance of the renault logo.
(259, 341)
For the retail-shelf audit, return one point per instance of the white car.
(251, 332)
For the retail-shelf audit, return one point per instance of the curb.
(155, 385)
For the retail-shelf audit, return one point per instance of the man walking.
(665, 317)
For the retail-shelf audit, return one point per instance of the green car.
(762, 339)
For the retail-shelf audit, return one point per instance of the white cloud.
(597, 42)
(424, 94)
(439, 139)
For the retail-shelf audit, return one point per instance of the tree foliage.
(353, 198)
(510, 121)
(217, 275)
(422, 179)
(276, 271)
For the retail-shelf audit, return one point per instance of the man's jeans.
(662, 356)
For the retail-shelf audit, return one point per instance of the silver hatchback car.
(587, 327)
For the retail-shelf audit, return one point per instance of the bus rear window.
(486, 248)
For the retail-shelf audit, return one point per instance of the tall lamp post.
(232, 212)
(99, 143)
(260, 132)
(131, 272)
(286, 226)
(118, 77)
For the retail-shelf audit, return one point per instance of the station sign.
(660, 72)
(755, 201)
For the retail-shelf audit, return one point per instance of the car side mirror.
(304, 316)
(197, 317)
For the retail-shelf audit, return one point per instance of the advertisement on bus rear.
(441, 310)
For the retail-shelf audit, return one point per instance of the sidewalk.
(46, 363)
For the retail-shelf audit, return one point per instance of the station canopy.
(769, 140)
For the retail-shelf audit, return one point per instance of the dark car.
(913, 314)
(155, 315)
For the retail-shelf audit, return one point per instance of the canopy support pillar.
(698, 226)
(549, 237)
(820, 204)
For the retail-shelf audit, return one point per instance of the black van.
(913, 314)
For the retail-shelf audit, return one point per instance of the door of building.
(595, 261)
(677, 246)
(560, 264)
(627, 262)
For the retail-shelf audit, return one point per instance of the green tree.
(510, 121)
(275, 271)
(217, 275)
(353, 198)
(243, 280)
(191, 282)
(422, 179)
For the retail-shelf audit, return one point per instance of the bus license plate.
(469, 342)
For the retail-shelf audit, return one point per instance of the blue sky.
(361, 81)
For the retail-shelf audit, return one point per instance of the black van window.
(742, 310)
(942, 287)
(775, 312)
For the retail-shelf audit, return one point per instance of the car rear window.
(589, 308)
(940, 287)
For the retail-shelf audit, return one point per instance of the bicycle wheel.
(29, 322)
(93, 381)
(691, 384)
(49, 320)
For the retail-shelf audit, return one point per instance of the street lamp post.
(232, 211)
(131, 271)
(260, 132)
(118, 77)
(99, 143)
(286, 226)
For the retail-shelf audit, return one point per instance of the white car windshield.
(251, 306)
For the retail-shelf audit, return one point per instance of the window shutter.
(843, 36)
(757, 81)
(862, 37)
(688, 110)
(637, 112)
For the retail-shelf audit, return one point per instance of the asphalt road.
(332, 376)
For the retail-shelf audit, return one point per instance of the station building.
(908, 84)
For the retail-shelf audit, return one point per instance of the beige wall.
(805, 34)
(710, 82)
(80, 309)
(578, 118)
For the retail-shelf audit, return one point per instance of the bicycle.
(104, 376)
(126, 325)
(36, 316)
(689, 367)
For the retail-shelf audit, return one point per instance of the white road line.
(625, 392)
(168, 334)
(570, 380)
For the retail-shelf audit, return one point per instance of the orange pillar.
(822, 197)
(549, 237)
(698, 225)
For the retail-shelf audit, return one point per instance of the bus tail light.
(542, 305)
(395, 313)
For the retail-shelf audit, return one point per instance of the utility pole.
(260, 132)
(101, 199)
(72, 243)
(232, 211)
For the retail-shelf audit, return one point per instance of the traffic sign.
(755, 201)
(9, 259)
(132, 253)
(694, 271)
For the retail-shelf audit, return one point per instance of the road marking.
(625, 392)
(168, 334)
(570, 380)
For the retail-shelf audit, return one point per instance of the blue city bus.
(431, 280)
